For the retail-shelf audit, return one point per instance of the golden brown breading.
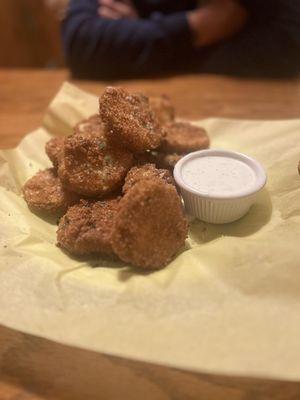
(163, 108)
(161, 160)
(183, 137)
(150, 227)
(90, 126)
(167, 161)
(54, 149)
(141, 159)
(129, 120)
(44, 193)
(93, 167)
(146, 171)
(86, 227)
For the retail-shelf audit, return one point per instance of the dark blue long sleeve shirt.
(98, 47)
(158, 42)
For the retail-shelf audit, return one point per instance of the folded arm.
(98, 47)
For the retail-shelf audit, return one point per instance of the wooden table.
(36, 369)
(25, 94)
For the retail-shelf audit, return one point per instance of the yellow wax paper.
(228, 304)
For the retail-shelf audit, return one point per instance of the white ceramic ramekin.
(219, 209)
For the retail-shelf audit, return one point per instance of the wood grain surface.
(29, 34)
(37, 369)
(25, 94)
(32, 368)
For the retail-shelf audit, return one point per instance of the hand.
(117, 9)
(217, 21)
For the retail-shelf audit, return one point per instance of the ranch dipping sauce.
(218, 175)
(219, 186)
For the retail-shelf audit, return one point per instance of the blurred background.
(29, 33)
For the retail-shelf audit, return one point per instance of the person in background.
(106, 39)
